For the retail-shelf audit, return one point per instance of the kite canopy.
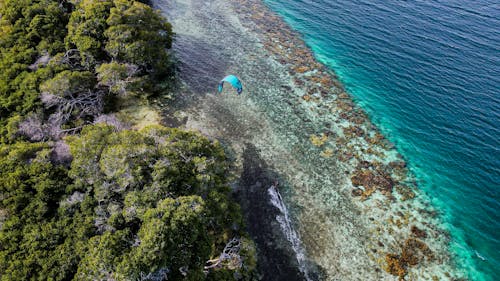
(233, 80)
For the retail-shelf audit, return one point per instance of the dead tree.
(229, 258)
(40, 61)
(72, 106)
(32, 127)
(159, 275)
(72, 58)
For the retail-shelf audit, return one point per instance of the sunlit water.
(428, 73)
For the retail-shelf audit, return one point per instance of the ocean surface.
(428, 74)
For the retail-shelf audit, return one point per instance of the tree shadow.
(275, 256)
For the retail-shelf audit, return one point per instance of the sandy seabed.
(352, 200)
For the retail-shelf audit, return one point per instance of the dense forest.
(82, 196)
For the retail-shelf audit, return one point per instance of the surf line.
(286, 226)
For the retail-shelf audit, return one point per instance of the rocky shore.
(355, 204)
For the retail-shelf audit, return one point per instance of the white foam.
(286, 226)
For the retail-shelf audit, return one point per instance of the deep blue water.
(428, 74)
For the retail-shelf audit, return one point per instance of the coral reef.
(365, 156)
(372, 180)
(405, 192)
(395, 265)
(318, 140)
(417, 232)
(413, 252)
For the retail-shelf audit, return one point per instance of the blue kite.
(233, 80)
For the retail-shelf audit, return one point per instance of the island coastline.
(355, 204)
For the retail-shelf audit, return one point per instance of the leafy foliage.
(105, 204)
(132, 204)
(49, 46)
(32, 235)
(139, 35)
(86, 31)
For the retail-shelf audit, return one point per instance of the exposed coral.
(344, 105)
(345, 156)
(343, 95)
(376, 139)
(405, 191)
(417, 232)
(399, 169)
(326, 81)
(395, 265)
(364, 164)
(353, 131)
(318, 140)
(372, 180)
(301, 69)
(414, 252)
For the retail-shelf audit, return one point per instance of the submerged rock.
(372, 180)
(405, 191)
(395, 266)
(414, 252)
(417, 232)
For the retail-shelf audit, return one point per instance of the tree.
(133, 205)
(177, 227)
(31, 187)
(86, 31)
(121, 79)
(139, 35)
(108, 203)
(74, 95)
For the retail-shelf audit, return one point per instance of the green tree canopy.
(132, 204)
(139, 35)
(86, 30)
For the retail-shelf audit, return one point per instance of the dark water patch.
(276, 259)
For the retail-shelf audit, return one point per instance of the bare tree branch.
(32, 128)
(229, 258)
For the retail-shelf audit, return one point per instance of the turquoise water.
(428, 73)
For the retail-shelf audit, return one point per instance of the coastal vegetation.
(81, 196)
(63, 64)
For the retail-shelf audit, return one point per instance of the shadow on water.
(276, 258)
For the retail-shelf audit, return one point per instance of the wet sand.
(351, 197)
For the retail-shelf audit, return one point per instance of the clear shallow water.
(428, 73)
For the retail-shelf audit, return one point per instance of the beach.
(351, 200)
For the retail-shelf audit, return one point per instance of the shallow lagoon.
(294, 123)
(428, 74)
